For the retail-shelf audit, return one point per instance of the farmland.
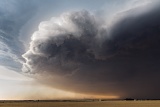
(80, 104)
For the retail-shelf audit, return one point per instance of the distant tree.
(129, 99)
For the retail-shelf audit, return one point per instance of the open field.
(83, 104)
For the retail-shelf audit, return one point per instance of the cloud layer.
(11, 21)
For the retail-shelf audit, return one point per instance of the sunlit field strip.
(83, 104)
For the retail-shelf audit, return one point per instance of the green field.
(83, 104)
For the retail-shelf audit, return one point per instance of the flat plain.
(82, 104)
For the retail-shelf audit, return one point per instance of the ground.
(82, 104)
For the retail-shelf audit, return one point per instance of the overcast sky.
(79, 49)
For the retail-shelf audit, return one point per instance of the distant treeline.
(77, 100)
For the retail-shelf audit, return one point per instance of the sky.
(60, 49)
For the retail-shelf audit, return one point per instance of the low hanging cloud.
(82, 54)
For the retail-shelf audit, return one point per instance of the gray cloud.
(54, 41)
(80, 55)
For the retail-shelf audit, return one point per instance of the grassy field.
(83, 104)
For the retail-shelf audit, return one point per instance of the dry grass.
(83, 104)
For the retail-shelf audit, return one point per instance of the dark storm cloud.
(77, 50)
